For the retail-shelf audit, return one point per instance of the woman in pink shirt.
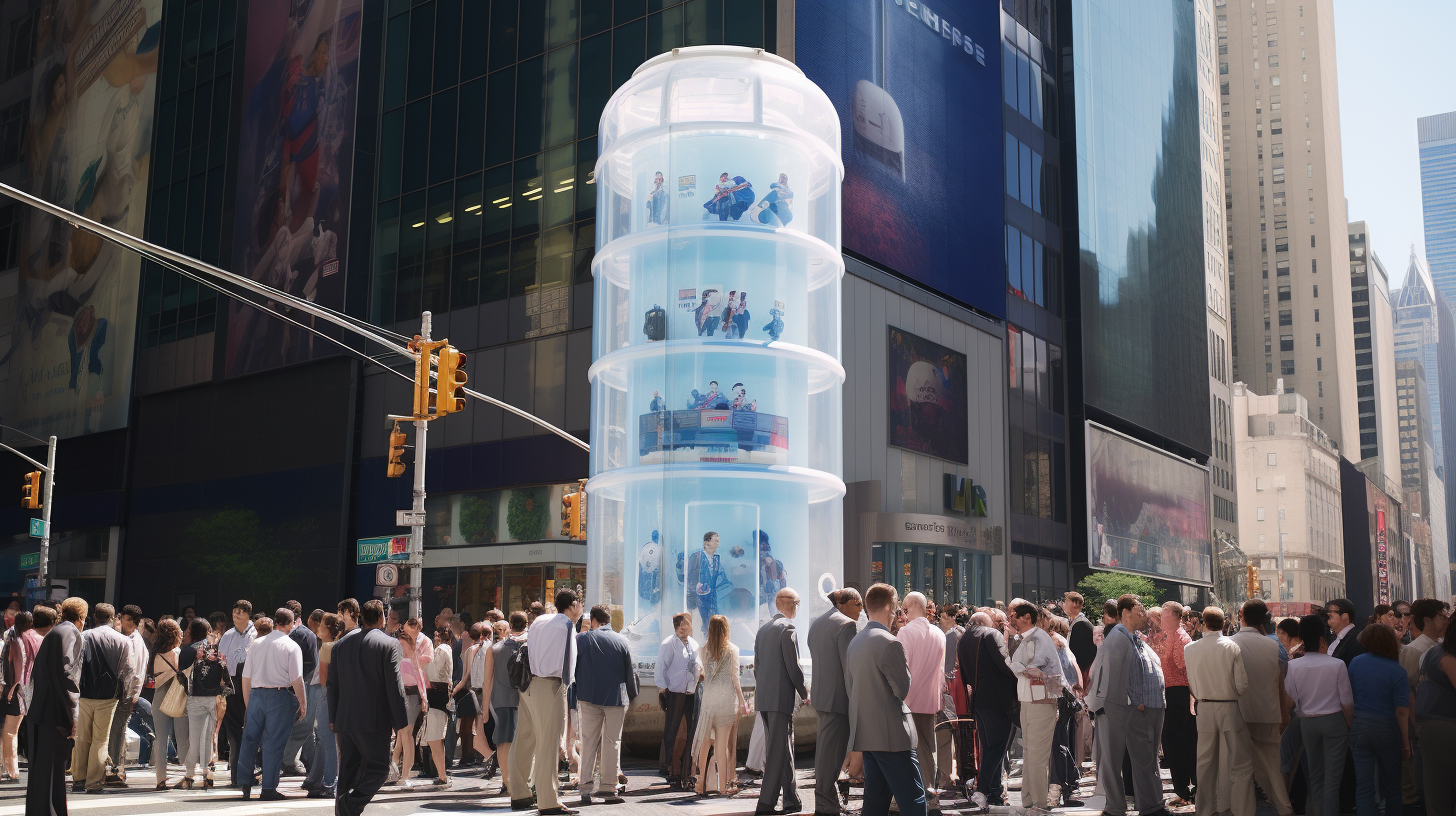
(925, 652)
(21, 644)
(418, 652)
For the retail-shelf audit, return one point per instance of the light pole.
(1279, 519)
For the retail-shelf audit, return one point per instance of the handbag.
(437, 695)
(466, 703)
(174, 700)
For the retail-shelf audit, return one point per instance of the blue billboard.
(918, 89)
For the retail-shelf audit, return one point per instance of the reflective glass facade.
(1144, 355)
(1436, 136)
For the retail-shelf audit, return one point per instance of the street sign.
(383, 549)
(386, 575)
(29, 560)
(409, 518)
(37, 528)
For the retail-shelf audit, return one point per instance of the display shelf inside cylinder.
(716, 429)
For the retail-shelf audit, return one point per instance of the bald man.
(778, 679)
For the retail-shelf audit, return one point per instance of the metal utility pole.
(45, 514)
(1279, 500)
(417, 532)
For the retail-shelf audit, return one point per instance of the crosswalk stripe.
(92, 803)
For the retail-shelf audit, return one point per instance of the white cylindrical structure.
(716, 433)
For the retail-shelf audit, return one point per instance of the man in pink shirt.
(924, 645)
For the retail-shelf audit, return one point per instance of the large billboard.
(300, 84)
(1148, 510)
(918, 90)
(928, 396)
(89, 151)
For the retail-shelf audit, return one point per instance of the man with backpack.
(105, 674)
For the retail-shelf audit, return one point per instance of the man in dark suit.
(366, 708)
(986, 667)
(706, 579)
(606, 684)
(778, 679)
(56, 692)
(879, 721)
(1084, 650)
(1341, 615)
(829, 638)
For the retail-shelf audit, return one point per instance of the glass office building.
(1436, 136)
(1139, 355)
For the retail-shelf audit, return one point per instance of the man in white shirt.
(1319, 686)
(551, 642)
(274, 696)
(1034, 663)
(234, 648)
(1217, 679)
(677, 681)
(136, 664)
(1429, 617)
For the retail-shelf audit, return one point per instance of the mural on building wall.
(928, 397)
(89, 150)
(300, 83)
(1148, 510)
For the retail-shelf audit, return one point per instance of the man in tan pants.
(552, 643)
(1035, 664)
(1217, 679)
(1262, 711)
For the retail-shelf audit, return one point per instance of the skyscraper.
(1436, 136)
(1375, 375)
(1288, 249)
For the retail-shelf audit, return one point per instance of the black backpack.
(519, 669)
(98, 680)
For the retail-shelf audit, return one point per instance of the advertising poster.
(929, 411)
(918, 90)
(89, 150)
(300, 83)
(1149, 510)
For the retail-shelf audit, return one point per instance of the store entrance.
(943, 574)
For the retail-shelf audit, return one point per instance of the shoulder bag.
(174, 699)
(519, 669)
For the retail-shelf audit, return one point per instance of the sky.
(1395, 65)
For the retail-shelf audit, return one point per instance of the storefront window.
(519, 514)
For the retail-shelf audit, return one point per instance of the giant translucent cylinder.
(716, 469)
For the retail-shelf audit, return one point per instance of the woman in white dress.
(722, 705)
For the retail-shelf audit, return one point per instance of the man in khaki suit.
(1217, 679)
(1263, 714)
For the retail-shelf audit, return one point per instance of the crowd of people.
(914, 702)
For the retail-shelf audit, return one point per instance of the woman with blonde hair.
(166, 652)
(723, 703)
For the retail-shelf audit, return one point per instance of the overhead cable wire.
(176, 262)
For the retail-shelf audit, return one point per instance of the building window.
(9, 235)
(1284, 294)
(1286, 342)
(1319, 364)
(1260, 511)
(13, 121)
(1286, 367)
(21, 53)
(1316, 315)
(1316, 340)
(1316, 290)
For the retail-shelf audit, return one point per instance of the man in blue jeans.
(274, 696)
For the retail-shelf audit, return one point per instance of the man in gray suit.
(1127, 697)
(777, 679)
(829, 638)
(878, 678)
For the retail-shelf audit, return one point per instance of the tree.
(1098, 587)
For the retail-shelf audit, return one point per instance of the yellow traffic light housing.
(1253, 581)
(395, 468)
(422, 401)
(451, 379)
(30, 492)
(581, 509)
(570, 514)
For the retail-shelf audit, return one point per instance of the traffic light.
(581, 509)
(395, 468)
(30, 492)
(1253, 581)
(451, 379)
(570, 514)
(422, 377)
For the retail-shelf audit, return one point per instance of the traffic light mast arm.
(43, 468)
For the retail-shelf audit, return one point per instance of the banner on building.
(295, 154)
(88, 149)
(928, 397)
(1147, 510)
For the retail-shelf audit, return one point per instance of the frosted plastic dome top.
(720, 83)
